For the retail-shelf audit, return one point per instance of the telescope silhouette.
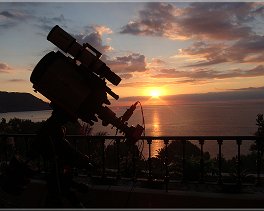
(76, 83)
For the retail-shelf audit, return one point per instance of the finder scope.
(86, 54)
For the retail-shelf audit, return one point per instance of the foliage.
(26, 126)
(129, 155)
(260, 124)
(19, 126)
(260, 133)
(175, 161)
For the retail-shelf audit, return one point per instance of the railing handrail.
(233, 137)
(166, 139)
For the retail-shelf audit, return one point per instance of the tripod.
(53, 147)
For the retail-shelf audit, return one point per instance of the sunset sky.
(156, 48)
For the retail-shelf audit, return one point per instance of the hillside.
(15, 102)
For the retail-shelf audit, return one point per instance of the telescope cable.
(141, 152)
(144, 126)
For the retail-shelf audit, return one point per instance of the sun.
(155, 93)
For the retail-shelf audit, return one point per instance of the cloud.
(93, 36)
(4, 68)
(217, 21)
(249, 89)
(14, 14)
(246, 50)
(206, 74)
(214, 21)
(16, 80)
(133, 62)
(155, 63)
(155, 19)
(250, 94)
(47, 23)
(145, 84)
(10, 18)
(102, 29)
(126, 76)
(13, 17)
(249, 49)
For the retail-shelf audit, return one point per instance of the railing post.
(239, 142)
(88, 146)
(201, 142)
(88, 151)
(166, 179)
(4, 140)
(118, 176)
(27, 145)
(149, 141)
(75, 169)
(103, 157)
(220, 181)
(183, 161)
(134, 162)
(258, 182)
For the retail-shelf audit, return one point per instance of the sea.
(204, 119)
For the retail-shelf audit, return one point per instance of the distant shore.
(4, 112)
(20, 102)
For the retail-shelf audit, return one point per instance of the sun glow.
(155, 92)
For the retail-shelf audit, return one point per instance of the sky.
(157, 48)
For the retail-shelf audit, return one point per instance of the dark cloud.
(259, 10)
(206, 74)
(93, 36)
(143, 84)
(157, 62)
(17, 80)
(93, 39)
(126, 76)
(47, 23)
(224, 96)
(252, 94)
(247, 50)
(249, 89)
(135, 84)
(217, 21)
(10, 18)
(4, 68)
(154, 20)
(15, 14)
(128, 64)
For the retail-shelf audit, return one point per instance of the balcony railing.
(115, 163)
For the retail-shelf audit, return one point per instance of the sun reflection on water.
(156, 131)
(155, 124)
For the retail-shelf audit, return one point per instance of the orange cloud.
(4, 68)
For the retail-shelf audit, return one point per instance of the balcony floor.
(132, 196)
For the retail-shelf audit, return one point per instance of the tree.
(192, 157)
(259, 133)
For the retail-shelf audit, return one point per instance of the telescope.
(77, 83)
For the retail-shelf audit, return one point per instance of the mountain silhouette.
(15, 102)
